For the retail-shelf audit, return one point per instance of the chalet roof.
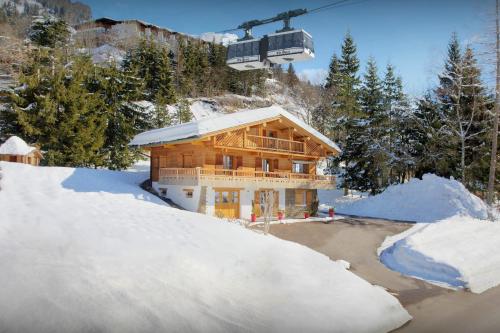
(15, 146)
(203, 127)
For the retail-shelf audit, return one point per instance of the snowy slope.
(458, 252)
(428, 200)
(87, 250)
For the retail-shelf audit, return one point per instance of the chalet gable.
(207, 127)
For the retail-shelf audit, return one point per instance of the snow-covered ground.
(428, 200)
(88, 250)
(452, 246)
(457, 252)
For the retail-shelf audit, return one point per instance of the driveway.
(434, 309)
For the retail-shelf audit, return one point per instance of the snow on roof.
(202, 127)
(15, 146)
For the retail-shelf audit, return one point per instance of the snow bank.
(15, 146)
(457, 252)
(87, 250)
(428, 200)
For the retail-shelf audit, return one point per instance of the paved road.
(434, 309)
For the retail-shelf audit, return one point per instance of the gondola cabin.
(246, 55)
(290, 46)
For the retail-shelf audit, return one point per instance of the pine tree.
(462, 100)
(151, 62)
(56, 111)
(429, 135)
(119, 90)
(184, 113)
(291, 78)
(393, 98)
(49, 32)
(366, 173)
(333, 78)
(348, 111)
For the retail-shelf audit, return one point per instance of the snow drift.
(458, 252)
(428, 200)
(87, 250)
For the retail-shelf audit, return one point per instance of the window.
(235, 197)
(266, 165)
(298, 167)
(225, 197)
(227, 162)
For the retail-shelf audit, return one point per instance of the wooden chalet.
(222, 166)
(16, 150)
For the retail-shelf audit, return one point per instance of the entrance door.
(227, 203)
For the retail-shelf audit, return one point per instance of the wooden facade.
(269, 155)
(33, 158)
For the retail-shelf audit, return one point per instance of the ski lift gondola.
(289, 46)
(245, 55)
(284, 46)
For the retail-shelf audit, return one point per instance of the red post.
(331, 212)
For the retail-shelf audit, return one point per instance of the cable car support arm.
(285, 17)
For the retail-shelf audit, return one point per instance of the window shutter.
(275, 165)
(218, 159)
(258, 164)
(309, 198)
(239, 162)
(264, 132)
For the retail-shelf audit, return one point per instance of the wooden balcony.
(240, 139)
(241, 178)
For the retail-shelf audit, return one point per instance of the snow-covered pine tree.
(49, 32)
(396, 114)
(348, 110)
(367, 173)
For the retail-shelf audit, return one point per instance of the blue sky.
(411, 34)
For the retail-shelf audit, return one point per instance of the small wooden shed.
(17, 150)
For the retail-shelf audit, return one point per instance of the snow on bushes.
(88, 250)
(428, 200)
(458, 252)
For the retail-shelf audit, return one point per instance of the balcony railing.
(269, 143)
(197, 174)
(239, 139)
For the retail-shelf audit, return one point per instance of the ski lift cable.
(335, 4)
